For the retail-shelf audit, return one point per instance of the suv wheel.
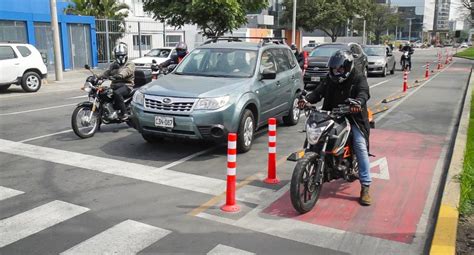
(294, 114)
(246, 131)
(31, 82)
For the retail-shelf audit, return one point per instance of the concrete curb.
(444, 238)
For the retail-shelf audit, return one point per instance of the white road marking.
(78, 97)
(380, 83)
(128, 237)
(170, 165)
(396, 105)
(43, 136)
(36, 110)
(8, 193)
(180, 180)
(37, 219)
(221, 249)
(383, 166)
(37, 93)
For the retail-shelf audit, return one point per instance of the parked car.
(160, 55)
(21, 64)
(221, 87)
(381, 60)
(318, 61)
(310, 47)
(464, 45)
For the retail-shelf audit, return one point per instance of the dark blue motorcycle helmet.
(341, 65)
(181, 49)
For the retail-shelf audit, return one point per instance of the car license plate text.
(316, 78)
(164, 122)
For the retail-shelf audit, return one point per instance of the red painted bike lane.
(404, 164)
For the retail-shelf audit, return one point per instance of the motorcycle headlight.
(87, 87)
(313, 133)
(211, 103)
(139, 98)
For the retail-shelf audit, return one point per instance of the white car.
(160, 55)
(464, 45)
(21, 64)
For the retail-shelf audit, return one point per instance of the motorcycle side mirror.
(171, 67)
(153, 61)
(87, 67)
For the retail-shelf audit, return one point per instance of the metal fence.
(140, 37)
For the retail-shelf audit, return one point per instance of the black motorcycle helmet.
(181, 49)
(121, 54)
(340, 66)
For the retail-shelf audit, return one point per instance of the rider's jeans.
(360, 149)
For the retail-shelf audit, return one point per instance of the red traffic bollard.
(427, 72)
(272, 178)
(405, 81)
(230, 204)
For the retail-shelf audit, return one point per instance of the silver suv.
(225, 85)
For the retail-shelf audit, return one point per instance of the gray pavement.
(118, 177)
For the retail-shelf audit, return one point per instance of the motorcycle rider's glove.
(355, 105)
(117, 77)
(302, 103)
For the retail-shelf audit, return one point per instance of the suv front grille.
(317, 69)
(169, 104)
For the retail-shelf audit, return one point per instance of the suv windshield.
(324, 51)
(159, 53)
(219, 63)
(375, 51)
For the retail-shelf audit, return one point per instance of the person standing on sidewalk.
(345, 82)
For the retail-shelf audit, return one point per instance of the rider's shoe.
(124, 117)
(365, 198)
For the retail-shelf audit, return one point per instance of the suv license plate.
(316, 79)
(164, 122)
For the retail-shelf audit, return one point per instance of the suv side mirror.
(87, 67)
(268, 74)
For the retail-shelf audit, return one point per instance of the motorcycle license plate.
(164, 122)
(316, 79)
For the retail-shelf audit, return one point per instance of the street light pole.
(364, 39)
(58, 64)
(293, 31)
(409, 29)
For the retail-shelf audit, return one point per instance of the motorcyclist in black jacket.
(181, 52)
(345, 82)
(409, 49)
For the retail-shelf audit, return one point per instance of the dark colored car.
(319, 57)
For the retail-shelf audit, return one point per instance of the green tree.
(329, 16)
(214, 17)
(102, 9)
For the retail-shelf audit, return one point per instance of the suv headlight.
(139, 98)
(313, 132)
(211, 103)
(379, 62)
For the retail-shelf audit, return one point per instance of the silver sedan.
(381, 60)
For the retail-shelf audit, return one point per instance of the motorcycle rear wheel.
(81, 126)
(304, 191)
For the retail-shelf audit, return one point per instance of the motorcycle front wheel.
(84, 122)
(304, 190)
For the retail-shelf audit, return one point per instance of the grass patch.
(466, 206)
(468, 53)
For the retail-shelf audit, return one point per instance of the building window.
(146, 42)
(13, 31)
(172, 40)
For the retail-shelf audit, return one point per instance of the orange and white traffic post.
(405, 81)
(272, 178)
(427, 72)
(230, 204)
(439, 61)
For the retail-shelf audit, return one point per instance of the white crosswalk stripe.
(221, 249)
(37, 219)
(8, 193)
(128, 237)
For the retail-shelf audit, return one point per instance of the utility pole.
(364, 39)
(409, 29)
(293, 31)
(164, 33)
(58, 63)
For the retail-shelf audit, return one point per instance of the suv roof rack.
(263, 40)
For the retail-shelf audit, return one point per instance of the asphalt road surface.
(117, 193)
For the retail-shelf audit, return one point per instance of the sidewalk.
(70, 78)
